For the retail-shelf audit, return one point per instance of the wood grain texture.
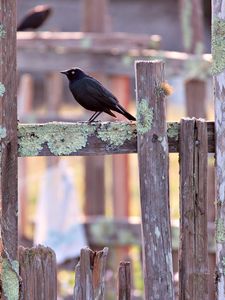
(193, 260)
(90, 272)
(154, 181)
(38, 271)
(124, 281)
(104, 138)
(8, 152)
(218, 46)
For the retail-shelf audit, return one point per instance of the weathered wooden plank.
(124, 281)
(94, 19)
(154, 180)
(90, 272)
(110, 62)
(92, 41)
(82, 138)
(218, 70)
(8, 153)
(193, 260)
(38, 270)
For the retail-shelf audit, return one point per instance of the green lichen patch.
(127, 60)
(220, 231)
(115, 133)
(86, 43)
(223, 265)
(61, 138)
(145, 116)
(2, 89)
(9, 277)
(173, 131)
(104, 231)
(2, 32)
(2, 132)
(218, 46)
(196, 67)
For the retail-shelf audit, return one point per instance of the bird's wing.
(97, 90)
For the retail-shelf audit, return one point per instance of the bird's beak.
(64, 72)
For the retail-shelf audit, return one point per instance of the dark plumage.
(35, 18)
(92, 95)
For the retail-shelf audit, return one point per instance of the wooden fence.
(191, 137)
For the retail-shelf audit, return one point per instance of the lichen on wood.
(218, 45)
(220, 231)
(2, 132)
(10, 279)
(2, 89)
(173, 130)
(2, 32)
(60, 138)
(145, 115)
(115, 133)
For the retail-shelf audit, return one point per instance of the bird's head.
(74, 74)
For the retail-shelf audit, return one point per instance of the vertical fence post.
(94, 19)
(124, 281)
(193, 260)
(38, 271)
(154, 181)
(8, 152)
(218, 70)
(90, 271)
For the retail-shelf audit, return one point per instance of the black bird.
(92, 95)
(35, 18)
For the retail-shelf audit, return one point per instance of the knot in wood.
(154, 138)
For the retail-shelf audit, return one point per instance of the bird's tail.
(125, 113)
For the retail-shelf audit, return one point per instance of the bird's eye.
(73, 72)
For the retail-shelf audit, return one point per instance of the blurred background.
(69, 202)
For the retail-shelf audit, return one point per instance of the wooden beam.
(218, 69)
(92, 41)
(94, 19)
(8, 153)
(90, 273)
(153, 161)
(38, 270)
(82, 138)
(95, 16)
(124, 281)
(46, 54)
(193, 258)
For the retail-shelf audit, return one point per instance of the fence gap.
(90, 272)
(154, 187)
(38, 271)
(193, 260)
(124, 281)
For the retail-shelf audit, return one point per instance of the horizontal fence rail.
(97, 138)
(47, 51)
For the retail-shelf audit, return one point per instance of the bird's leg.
(94, 116)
